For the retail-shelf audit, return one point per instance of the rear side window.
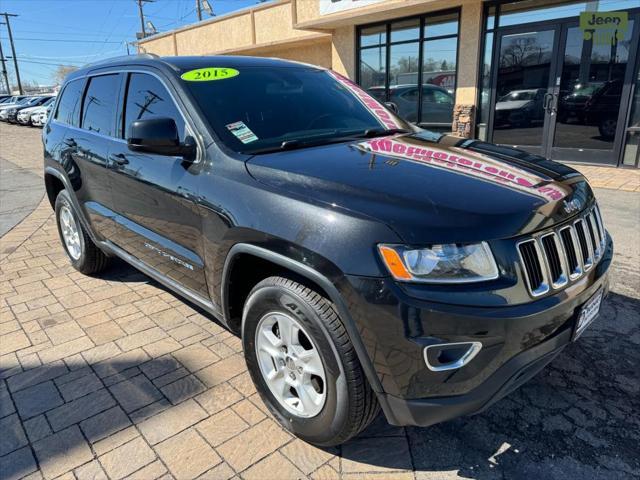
(69, 105)
(148, 98)
(100, 104)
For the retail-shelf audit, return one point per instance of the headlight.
(451, 263)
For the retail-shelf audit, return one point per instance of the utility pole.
(140, 3)
(13, 48)
(199, 9)
(4, 70)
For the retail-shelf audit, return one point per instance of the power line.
(22, 60)
(23, 39)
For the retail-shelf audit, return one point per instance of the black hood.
(432, 188)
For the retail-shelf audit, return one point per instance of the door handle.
(118, 158)
(554, 104)
(548, 98)
(70, 142)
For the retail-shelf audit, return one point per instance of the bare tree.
(62, 71)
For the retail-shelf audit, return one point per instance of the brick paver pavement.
(115, 377)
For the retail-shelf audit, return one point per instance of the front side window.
(99, 106)
(148, 98)
(261, 108)
(69, 104)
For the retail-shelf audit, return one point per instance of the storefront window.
(416, 69)
(373, 70)
(373, 36)
(554, 78)
(631, 155)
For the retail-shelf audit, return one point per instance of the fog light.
(450, 356)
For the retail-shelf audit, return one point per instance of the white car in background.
(40, 118)
(24, 116)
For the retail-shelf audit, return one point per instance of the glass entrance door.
(561, 95)
(588, 97)
(523, 88)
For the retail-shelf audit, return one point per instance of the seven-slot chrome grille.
(559, 256)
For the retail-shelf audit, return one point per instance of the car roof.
(179, 64)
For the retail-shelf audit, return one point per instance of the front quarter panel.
(238, 209)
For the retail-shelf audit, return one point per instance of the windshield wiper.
(295, 144)
(379, 132)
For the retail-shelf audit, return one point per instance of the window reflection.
(523, 78)
(590, 91)
(430, 103)
(148, 98)
(373, 70)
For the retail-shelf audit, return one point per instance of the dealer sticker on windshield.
(209, 74)
(242, 132)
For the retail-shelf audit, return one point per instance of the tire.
(87, 258)
(349, 402)
(607, 128)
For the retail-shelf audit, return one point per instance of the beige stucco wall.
(276, 24)
(316, 53)
(162, 46)
(343, 55)
(226, 34)
(469, 52)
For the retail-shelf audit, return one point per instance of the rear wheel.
(607, 127)
(303, 363)
(83, 253)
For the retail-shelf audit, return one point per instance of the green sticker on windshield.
(209, 74)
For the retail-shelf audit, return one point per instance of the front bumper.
(518, 341)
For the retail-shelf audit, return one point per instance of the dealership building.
(558, 78)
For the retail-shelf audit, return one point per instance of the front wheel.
(303, 363)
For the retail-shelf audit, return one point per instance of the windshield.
(516, 96)
(265, 108)
(587, 89)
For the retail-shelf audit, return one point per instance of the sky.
(48, 33)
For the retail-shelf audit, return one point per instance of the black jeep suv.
(365, 262)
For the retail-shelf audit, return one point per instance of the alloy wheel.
(70, 232)
(290, 364)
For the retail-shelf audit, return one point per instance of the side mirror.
(392, 106)
(159, 136)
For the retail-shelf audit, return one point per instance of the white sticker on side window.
(242, 132)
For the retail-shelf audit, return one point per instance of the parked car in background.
(40, 118)
(572, 105)
(519, 108)
(437, 102)
(602, 108)
(24, 116)
(13, 107)
(11, 100)
(365, 262)
(12, 113)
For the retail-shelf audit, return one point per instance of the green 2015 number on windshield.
(209, 74)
